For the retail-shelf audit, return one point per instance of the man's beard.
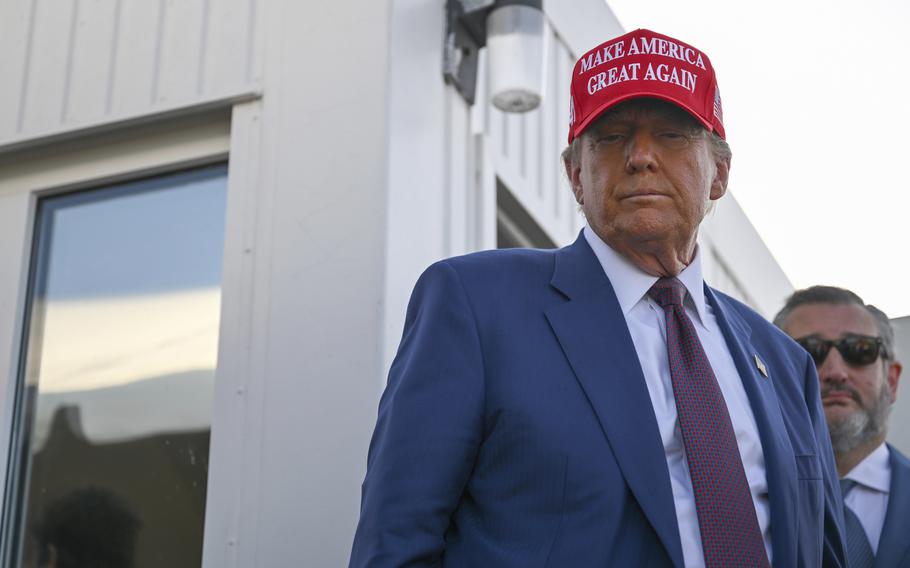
(861, 426)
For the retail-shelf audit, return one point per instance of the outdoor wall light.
(512, 30)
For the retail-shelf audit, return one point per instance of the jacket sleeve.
(834, 544)
(428, 431)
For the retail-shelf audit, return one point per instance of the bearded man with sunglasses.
(852, 345)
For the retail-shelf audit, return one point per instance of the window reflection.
(119, 373)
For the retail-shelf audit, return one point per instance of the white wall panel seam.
(252, 42)
(159, 48)
(203, 48)
(68, 69)
(558, 105)
(523, 144)
(447, 147)
(26, 69)
(547, 129)
(134, 65)
(89, 63)
(112, 64)
(470, 185)
(241, 357)
(181, 43)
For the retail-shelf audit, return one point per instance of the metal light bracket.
(466, 33)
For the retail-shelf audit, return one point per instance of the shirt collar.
(631, 283)
(874, 471)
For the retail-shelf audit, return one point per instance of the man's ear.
(573, 173)
(894, 376)
(721, 177)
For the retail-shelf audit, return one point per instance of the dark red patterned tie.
(730, 535)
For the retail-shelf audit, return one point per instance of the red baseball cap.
(643, 63)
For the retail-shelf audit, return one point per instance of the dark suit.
(894, 543)
(517, 430)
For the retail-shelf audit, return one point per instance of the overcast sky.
(815, 107)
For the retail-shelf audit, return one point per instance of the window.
(116, 382)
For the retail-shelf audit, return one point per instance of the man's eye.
(674, 138)
(610, 138)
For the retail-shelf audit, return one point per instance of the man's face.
(856, 398)
(645, 173)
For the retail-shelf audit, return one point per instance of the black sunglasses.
(855, 349)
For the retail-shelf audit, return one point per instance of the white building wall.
(296, 391)
(736, 260)
(899, 424)
(431, 157)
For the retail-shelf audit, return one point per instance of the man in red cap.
(599, 405)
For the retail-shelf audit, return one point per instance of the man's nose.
(833, 368)
(641, 153)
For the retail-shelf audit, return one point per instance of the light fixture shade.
(515, 57)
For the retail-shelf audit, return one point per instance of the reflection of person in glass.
(90, 527)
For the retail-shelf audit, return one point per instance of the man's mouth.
(644, 194)
(839, 396)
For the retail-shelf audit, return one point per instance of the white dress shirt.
(647, 325)
(869, 498)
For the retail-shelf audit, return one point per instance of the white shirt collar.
(631, 283)
(874, 471)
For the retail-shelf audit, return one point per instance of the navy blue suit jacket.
(894, 543)
(516, 428)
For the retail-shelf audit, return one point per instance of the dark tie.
(730, 535)
(859, 551)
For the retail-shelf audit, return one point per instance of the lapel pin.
(761, 366)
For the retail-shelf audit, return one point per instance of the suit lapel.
(780, 465)
(894, 544)
(592, 332)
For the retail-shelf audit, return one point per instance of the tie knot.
(668, 292)
(846, 485)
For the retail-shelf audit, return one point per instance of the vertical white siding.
(15, 31)
(89, 72)
(135, 57)
(183, 30)
(48, 63)
(457, 134)
(229, 48)
(290, 454)
(74, 63)
(737, 262)
(717, 273)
